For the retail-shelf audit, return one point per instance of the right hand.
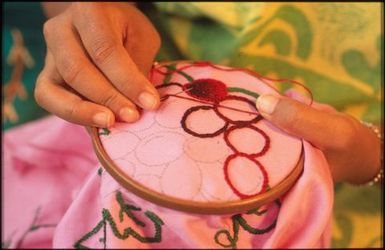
(98, 56)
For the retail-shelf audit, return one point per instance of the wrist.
(377, 173)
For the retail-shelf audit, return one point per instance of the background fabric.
(334, 48)
(23, 53)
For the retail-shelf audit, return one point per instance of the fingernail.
(147, 100)
(101, 119)
(266, 104)
(128, 114)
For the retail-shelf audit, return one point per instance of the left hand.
(351, 149)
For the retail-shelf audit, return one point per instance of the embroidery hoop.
(190, 206)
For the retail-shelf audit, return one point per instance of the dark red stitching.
(227, 178)
(169, 84)
(251, 72)
(166, 96)
(189, 131)
(239, 98)
(206, 89)
(211, 91)
(265, 147)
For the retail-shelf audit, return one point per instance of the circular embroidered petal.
(247, 139)
(245, 175)
(195, 122)
(245, 111)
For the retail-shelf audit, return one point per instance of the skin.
(352, 150)
(98, 56)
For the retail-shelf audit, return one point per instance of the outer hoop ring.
(189, 206)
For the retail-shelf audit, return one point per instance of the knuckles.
(110, 98)
(102, 49)
(70, 69)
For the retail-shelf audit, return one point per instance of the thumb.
(322, 129)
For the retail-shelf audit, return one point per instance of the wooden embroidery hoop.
(190, 206)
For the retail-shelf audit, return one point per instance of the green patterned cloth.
(333, 48)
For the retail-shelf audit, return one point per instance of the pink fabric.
(161, 154)
(50, 164)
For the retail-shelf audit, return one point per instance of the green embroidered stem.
(33, 227)
(104, 234)
(170, 68)
(188, 77)
(126, 208)
(105, 131)
(256, 211)
(232, 240)
(253, 230)
(100, 171)
(88, 235)
(238, 220)
(244, 91)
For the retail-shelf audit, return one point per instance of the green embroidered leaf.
(154, 217)
(108, 219)
(238, 221)
(78, 244)
(244, 91)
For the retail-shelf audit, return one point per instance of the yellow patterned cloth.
(333, 48)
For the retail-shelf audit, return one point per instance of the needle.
(180, 92)
(205, 102)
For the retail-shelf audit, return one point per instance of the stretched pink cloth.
(57, 195)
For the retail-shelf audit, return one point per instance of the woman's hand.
(351, 149)
(98, 57)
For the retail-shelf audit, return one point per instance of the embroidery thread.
(237, 222)
(127, 210)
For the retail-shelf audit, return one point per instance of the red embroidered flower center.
(206, 89)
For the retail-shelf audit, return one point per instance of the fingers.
(68, 106)
(292, 93)
(79, 73)
(146, 44)
(322, 129)
(106, 50)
